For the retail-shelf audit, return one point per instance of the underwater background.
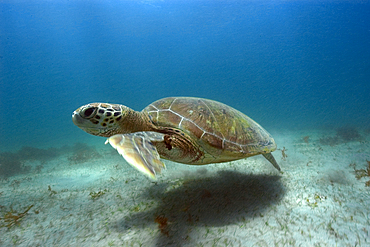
(286, 64)
(300, 69)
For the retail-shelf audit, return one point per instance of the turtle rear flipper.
(272, 160)
(138, 150)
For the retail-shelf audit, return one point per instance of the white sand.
(316, 201)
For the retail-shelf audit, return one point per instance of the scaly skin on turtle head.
(102, 119)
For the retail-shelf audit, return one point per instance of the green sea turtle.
(192, 131)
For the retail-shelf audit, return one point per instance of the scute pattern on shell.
(213, 123)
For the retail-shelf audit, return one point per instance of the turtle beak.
(77, 119)
(87, 126)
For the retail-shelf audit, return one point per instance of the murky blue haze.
(286, 64)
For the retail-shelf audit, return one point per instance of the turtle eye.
(88, 113)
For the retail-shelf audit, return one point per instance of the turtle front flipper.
(138, 150)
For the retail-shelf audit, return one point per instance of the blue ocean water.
(286, 64)
(299, 68)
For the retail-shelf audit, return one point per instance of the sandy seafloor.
(315, 201)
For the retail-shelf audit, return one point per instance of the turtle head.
(100, 119)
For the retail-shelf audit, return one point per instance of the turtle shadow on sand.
(226, 199)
